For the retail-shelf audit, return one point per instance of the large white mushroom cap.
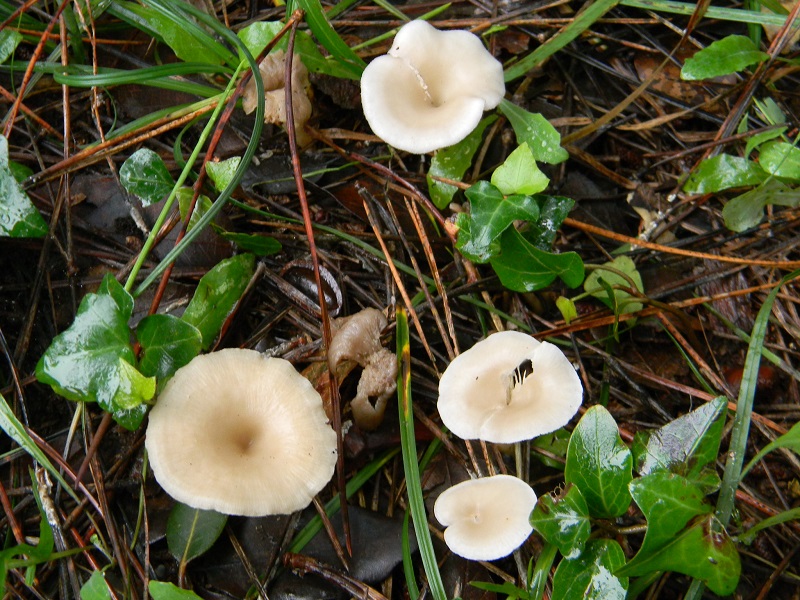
(487, 518)
(508, 388)
(242, 434)
(431, 89)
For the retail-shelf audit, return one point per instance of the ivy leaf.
(590, 576)
(490, 215)
(625, 265)
(520, 174)
(95, 588)
(524, 268)
(9, 40)
(18, 216)
(563, 521)
(217, 294)
(146, 176)
(780, 159)
(452, 162)
(201, 207)
(222, 172)
(552, 212)
(703, 551)
(163, 590)
(168, 343)
(567, 309)
(724, 57)
(599, 463)
(747, 210)
(533, 129)
(92, 360)
(685, 445)
(191, 531)
(722, 172)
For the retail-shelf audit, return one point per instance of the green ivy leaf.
(145, 175)
(201, 207)
(520, 174)
(567, 309)
(590, 576)
(256, 36)
(92, 360)
(780, 159)
(168, 343)
(162, 590)
(524, 268)
(533, 129)
(191, 531)
(217, 294)
(95, 588)
(555, 444)
(625, 265)
(552, 212)
(747, 210)
(702, 551)
(490, 215)
(9, 40)
(685, 445)
(756, 140)
(222, 172)
(724, 57)
(722, 172)
(599, 463)
(563, 521)
(18, 215)
(452, 162)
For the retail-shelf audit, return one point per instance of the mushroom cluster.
(242, 434)
(505, 389)
(431, 89)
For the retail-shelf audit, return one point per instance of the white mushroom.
(242, 434)
(431, 89)
(508, 388)
(487, 518)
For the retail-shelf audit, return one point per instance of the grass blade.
(411, 466)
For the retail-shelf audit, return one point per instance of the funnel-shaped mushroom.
(242, 434)
(487, 518)
(431, 89)
(508, 388)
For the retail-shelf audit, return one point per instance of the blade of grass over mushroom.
(744, 407)
(582, 21)
(411, 467)
(16, 431)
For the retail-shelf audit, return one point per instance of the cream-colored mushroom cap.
(486, 518)
(508, 388)
(431, 89)
(242, 434)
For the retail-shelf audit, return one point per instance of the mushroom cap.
(242, 434)
(431, 89)
(486, 518)
(508, 388)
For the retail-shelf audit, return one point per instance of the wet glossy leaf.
(201, 207)
(221, 173)
(533, 129)
(162, 590)
(520, 174)
(700, 551)
(217, 294)
(747, 210)
(524, 268)
(756, 140)
(18, 215)
(257, 35)
(724, 57)
(668, 502)
(600, 464)
(552, 212)
(626, 266)
(92, 360)
(563, 521)
(685, 445)
(722, 172)
(95, 588)
(9, 40)
(780, 159)
(146, 176)
(490, 215)
(167, 343)
(191, 531)
(554, 443)
(790, 440)
(590, 576)
(452, 163)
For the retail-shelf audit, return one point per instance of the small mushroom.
(242, 434)
(486, 518)
(508, 388)
(431, 89)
